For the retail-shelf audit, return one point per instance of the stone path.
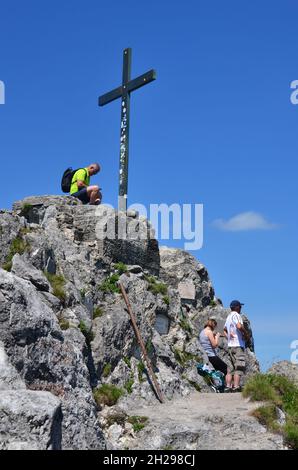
(203, 421)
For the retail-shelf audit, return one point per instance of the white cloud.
(243, 222)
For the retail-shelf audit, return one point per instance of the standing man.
(80, 185)
(235, 333)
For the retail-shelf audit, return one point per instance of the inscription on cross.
(123, 92)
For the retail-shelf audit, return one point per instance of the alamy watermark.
(182, 222)
(2, 92)
(294, 355)
(294, 94)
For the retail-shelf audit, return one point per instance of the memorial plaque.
(187, 290)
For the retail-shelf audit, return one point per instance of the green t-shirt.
(80, 175)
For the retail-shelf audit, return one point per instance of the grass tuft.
(138, 422)
(121, 268)
(107, 394)
(280, 392)
(185, 325)
(141, 370)
(107, 370)
(97, 312)
(109, 285)
(87, 332)
(57, 282)
(128, 386)
(18, 245)
(64, 324)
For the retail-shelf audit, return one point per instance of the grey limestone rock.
(285, 368)
(30, 420)
(48, 359)
(180, 266)
(65, 336)
(22, 269)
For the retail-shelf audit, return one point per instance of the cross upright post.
(123, 92)
(124, 135)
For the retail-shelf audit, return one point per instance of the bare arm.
(81, 184)
(240, 326)
(245, 333)
(213, 339)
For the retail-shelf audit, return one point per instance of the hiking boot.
(237, 389)
(228, 389)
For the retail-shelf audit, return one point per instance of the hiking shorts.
(82, 195)
(237, 360)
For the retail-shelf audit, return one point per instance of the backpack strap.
(74, 181)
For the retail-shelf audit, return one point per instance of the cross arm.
(141, 80)
(110, 96)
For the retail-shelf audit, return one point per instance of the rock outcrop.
(287, 369)
(64, 328)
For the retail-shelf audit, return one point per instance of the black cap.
(235, 303)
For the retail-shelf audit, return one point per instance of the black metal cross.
(123, 92)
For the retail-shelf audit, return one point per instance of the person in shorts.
(235, 333)
(81, 188)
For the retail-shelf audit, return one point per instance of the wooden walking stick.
(142, 345)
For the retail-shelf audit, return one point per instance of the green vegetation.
(267, 416)
(138, 422)
(87, 332)
(141, 370)
(110, 285)
(156, 287)
(280, 392)
(18, 245)
(127, 361)
(149, 346)
(26, 209)
(121, 268)
(184, 357)
(185, 325)
(213, 303)
(128, 385)
(166, 300)
(116, 418)
(291, 433)
(97, 312)
(107, 370)
(83, 294)
(26, 230)
(57, 282)
(195, 385)
(259, 388)
(64, 324)
(107, 394)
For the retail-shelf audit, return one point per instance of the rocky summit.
(71, 372)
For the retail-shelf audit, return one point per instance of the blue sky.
(217, 127)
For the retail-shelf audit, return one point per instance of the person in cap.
(235, 333)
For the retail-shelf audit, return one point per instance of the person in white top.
(235, 333)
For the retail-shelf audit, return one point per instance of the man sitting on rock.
(235, 333)
(80, 185)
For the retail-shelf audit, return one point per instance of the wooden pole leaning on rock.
(142, 345)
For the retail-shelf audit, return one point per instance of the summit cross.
(123, 92)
